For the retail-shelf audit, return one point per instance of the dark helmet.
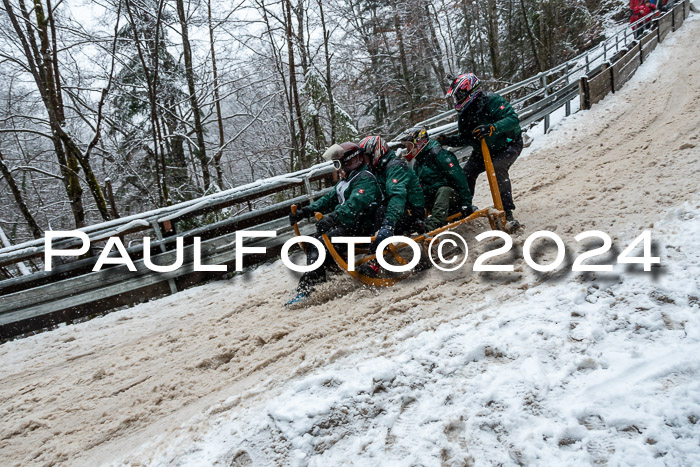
(375, 147)
(464, 90)
(343, 155)
(415, 140)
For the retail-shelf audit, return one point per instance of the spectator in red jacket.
(642, 9)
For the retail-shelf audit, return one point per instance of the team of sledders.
(379, 194)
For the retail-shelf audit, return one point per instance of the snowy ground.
(604, 370)
(444, 369)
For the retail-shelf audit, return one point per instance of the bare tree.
(26, 213)
(200, 151)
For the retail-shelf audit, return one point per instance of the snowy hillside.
(443, 369)
(577, 372)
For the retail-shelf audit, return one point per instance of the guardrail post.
(605, 50)
(617, 43)
(546, 93)
(4, 243)
(568, 102)
(159, 236)
(588, 65)
(309, 191)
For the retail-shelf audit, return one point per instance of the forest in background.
(152, 102)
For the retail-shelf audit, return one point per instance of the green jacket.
(487, 109)
(354, 200)
(400, 186)
(437, 167)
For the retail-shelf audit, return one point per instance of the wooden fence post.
(546, 94)
(641, 54)
(673, 19)
(583, 93)
(605, 68)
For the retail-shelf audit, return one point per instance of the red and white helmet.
(464, 90)
(415, 139)
(375, 147)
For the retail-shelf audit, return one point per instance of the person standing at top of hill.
(486, 115)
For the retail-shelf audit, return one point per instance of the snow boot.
(370, 269)
(512, 223)
(298, 298)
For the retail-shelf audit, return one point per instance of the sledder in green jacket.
(488, 116)
(444, 185)
(350, 210)
(353, 202)
(404, 207)
(489, 109)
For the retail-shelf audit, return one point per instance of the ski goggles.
(340, 163)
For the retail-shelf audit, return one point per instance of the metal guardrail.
(539, 102)
(43, 298)
(151, 219)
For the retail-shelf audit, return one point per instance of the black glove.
(468, 210)
(385, 231)
(482, 131)
(303, 213)
(418, 217)
(326, 223)
(442, 139)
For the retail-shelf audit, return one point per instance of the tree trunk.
(217, 102)
(468, 26)
(492, 35)
(531, 37)
(329, 84)
(200, 152)
(33, 227)
(301, 149)
(404, 61)
(53, 83)
(151, 87)
(437, 51)
(42, 62)
(283, 80)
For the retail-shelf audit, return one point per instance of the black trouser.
(310, 279)
(502, 161)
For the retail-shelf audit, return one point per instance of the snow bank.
(601, 371)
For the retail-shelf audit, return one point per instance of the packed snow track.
(443, 369)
